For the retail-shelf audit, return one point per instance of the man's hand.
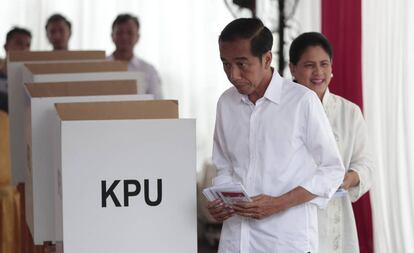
(351, 179)
(219, 210)
(262, 206)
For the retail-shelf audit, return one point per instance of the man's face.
(18, 42)
(245, 71)
(58, 34)
(125, 35)
(313, 70)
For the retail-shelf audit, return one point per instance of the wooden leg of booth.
(9, 220)
(45, 248)
(27, 244)
(26, 238)
(38, 249)
(49, 248)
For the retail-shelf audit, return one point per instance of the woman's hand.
(351, 179)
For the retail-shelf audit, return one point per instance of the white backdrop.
(178, 37)
(388, 64)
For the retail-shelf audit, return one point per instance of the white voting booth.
(61, 72)
(40, 99)
(126, 178)
(16, 60)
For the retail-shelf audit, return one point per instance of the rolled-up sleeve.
(321, 144)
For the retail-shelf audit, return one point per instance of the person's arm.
(217, 209)
(220, 153)
(322, 146)
(220, 211)
(263, 206)
(359, 176)
(351, 180)
(318, 188)
(154, 83)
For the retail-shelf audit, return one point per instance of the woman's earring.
(331, 75)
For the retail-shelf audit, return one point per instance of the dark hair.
(17, 30)
(303, 41)
(261, 39)
(123, 18)
(56, 18)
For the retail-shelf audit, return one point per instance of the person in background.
(58, 31)
(17, 39)
(272, 136)
(125, 35)
(311, 65)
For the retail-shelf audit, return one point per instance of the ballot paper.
(229, 193)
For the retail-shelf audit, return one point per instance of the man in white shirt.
(17, 39)
(125, 35)
(58, 32)
(271, 135)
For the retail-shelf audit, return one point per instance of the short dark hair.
(56, 18)
(303, 41)
(17, 30)
(261, 38)
(123, 18)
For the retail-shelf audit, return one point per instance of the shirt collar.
(273, 91)
(134, 62)
(327, 97)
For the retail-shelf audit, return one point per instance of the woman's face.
(314, 70)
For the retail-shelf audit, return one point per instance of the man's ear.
(292, 69)
(138, 36)
(268, 59)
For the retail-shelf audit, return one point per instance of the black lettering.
(109, 192)
(159, 193)
(128, 193)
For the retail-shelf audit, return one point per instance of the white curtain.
(388, 77)
(179, 37)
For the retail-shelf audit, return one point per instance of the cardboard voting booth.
(15, 62)
(39, 192)
(60, 72)
(126, 178)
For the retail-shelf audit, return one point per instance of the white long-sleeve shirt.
(282, 142)
(337, 229)
(152, 84)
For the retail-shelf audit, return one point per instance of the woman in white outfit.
(311, 65)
